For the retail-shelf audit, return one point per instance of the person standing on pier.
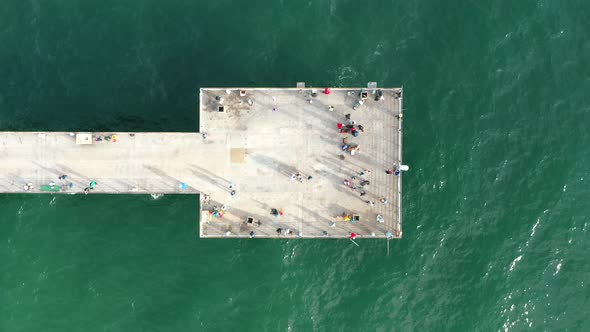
(274, 101)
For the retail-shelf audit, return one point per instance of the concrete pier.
(257, 155)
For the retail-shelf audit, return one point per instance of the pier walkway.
(253, 146)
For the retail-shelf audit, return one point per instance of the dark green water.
(496, 133)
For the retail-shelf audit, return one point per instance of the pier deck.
(252, 146)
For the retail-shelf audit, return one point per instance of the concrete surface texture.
(254, 157)
(279, 133)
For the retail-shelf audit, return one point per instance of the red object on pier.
(352, 236)
(327, 91)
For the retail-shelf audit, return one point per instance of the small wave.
(442, 240)
(289, 256)
(533, 230)
(557, 34)
(513, 264)
(344, 75)
(557, 268)
(156, 196)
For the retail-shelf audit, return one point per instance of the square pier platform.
(287, 164)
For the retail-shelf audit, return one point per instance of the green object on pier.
(50, 188)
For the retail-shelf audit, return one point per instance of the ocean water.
(496, 212)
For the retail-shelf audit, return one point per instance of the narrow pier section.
(267, 162)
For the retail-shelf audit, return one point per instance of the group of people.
(108, 138)
(217, 212)
(52, 186)
(350, 126)
(297, 176)
(280, 231)
(362, 183)
(277, 213)
(284, 231)
(395, 170)
(90, 187)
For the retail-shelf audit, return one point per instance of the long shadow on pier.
(79, 180)
(172, 181)
(211, 178)
(274, 164)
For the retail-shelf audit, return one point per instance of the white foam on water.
(535, 227)
(513, 264)
(439, 246)
(344, 75)
(288, 256)
(533, 230)
(557, 268)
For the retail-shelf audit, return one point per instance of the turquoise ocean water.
(496, 212)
